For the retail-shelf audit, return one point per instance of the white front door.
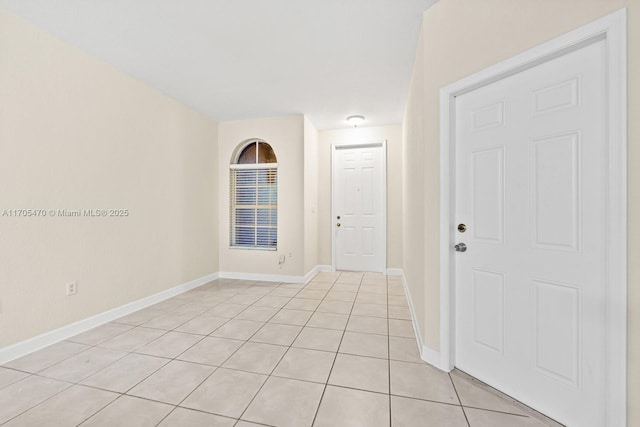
(359, 207)
(531, 190)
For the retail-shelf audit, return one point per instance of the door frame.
(359, 144)
(611, 28)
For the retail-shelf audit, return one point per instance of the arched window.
(254, 196)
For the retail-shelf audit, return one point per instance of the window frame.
(234, 206)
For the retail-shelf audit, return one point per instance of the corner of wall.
(310, 174)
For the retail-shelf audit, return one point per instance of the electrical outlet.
(281, 259)
(72, 288)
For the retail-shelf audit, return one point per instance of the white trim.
(414, 319)
(427, 354)
(262, 277)
(275, 277)
(616, 388)
(244, 144)
(394, 272)
(30, 345)
(611, 28)
(433, 357)
(315, 270)
(360, 144)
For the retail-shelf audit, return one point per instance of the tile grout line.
(455, 389)
(77, 383)
(39, 403)
(289, 347)
(227, 358)
(125, 393)
(216, 368)
(228, 296)
(275, 366)
(71, 383)
(99, 410)
(324, 388)
(503, 397)
(202, 337)
(247, 340)
(235, 351)
(344, 331)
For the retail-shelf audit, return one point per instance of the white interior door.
(359, 208)
(531, 182)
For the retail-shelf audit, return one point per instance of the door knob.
(338, 224)
(460, 247)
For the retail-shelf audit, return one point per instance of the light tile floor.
(339, 351)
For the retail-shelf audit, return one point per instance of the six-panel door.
(531, 189)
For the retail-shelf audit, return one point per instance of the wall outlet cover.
(71, 288)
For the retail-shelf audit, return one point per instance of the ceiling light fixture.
(355, 120)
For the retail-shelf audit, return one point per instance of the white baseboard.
(274, 277)
(394, 272)
(30, 345)
(432, 357)
(414, 320)
(262, 277)
(429, 355)
(315, 270)
(36, 343)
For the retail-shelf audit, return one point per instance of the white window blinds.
(254, 205)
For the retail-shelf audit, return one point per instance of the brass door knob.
(338, 224)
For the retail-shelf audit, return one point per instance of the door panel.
(556, 338)
(488, 309)
(555, 190)
(488, 194)
(531, 188)
(359, 201)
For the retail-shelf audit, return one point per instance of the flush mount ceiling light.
(355, 120)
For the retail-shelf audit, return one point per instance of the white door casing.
(546, 259)
(359, 207)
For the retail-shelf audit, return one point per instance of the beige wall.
(75, 133)
(413, 196)
(286, 136)
(393, 136)
(310, 195)
(461, 37)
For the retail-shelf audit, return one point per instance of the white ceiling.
(237, 59)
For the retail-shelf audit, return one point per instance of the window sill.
(253, 248)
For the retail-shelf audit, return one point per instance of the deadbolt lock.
(338, 217)
(462, 228)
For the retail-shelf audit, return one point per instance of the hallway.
(339, 351)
